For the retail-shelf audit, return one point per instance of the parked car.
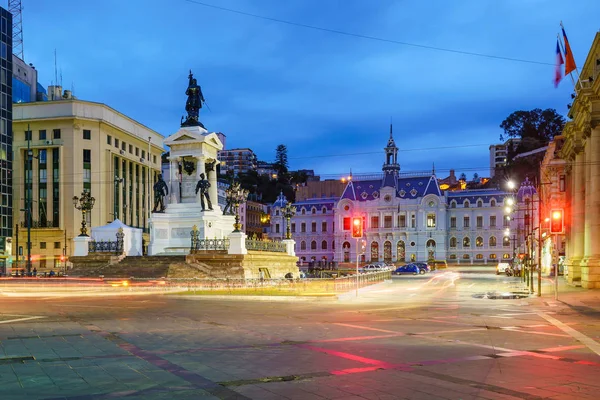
(502, 267)
(408, 269)
(374, 268)
(422, 266)
(437, 264)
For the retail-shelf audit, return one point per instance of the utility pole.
(27, 197)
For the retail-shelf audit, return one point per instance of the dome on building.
(526, 190)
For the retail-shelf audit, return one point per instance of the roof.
(406, 188)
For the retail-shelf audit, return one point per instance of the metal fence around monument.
(108, 246)
(265, 245)
(209, 244)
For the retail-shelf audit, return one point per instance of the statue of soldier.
(193, 103)
(160, 190)
(203, 185)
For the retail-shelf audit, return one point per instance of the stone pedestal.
(289, 246)
(81, 246)
(237, 243)
(170, 232)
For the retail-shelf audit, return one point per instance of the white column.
(174, 184)
(212, 191)
(590, 272)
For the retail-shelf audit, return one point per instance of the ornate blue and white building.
(406, 217)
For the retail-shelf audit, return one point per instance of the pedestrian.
(34, 271)
(51, 273)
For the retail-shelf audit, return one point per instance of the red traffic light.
(357, 228)
(557, 221)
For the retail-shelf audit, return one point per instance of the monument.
(190, 192)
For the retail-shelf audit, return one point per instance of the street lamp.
(235, 196)
(85, 203)
(288, 212)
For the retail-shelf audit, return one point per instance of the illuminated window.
(492, 221)
(387, 221)
(467, 242)
(431, 220)
(506, 256)
(479, 256)
(479, 241)
(506, 241)
(493, 256)
(375, 221)
(452, 242)
(492, 241)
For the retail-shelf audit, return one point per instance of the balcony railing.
(40, 224)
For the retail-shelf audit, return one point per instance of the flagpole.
(562, 48)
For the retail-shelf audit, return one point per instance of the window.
(303, 245)
(276, 228)
(324, 245)
(42, 134)
(561, 183)
(57, 245)
(466, 221)
(313, 245)
(323, 226)
(43, 173)
(347, 224)
(387, 221)
(506, 241)
(506, 256)
(293, 227)
(466, 242)
(154, 159)
(493, 203)
(116, 143)
(313, 227)
(492, 241)
(506, 221)
(144, 154)
(466, 257)
(452, 242)
(479, 221)
(130, 149)
(479, 241)
(324, 210)
(123, 146)
(27, 135)
(402, 221)
(479, 256)
(43, 156)
(55, 133)
(466, 204)
(42, 245)
(453, 204)
(303, 227)
(87, 134)
(303, 211)
(479, 203)
(108, 139)
(313, 210)
(492, 221)
(375, 221)
(453, 256)
(493, 256)
(87, 156)
(413, 221)
(137, 151)
(431, 220)
(452, 222)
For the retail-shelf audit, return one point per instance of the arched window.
(493, 203)
(313, 210)
(453, 204)
(452, 242)
(346, 245)
(333, 245)
(479, 241)
(313, 245)
(303, 211)
(492, 241)
(479, 256)
(430, 243)
(493, 256)
(479, 203)
(506, 256)
(324, 245)
(324, 210)
(466, 242)
(466, 256)
(400, 251)
(466, 204)
(506, 241)
(374, 251)
(277, 211)
(453, 256)
(303, 245)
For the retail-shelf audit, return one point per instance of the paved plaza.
(424, 337)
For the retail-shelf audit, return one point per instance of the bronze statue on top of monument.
(193, 103)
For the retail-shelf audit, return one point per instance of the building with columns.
(78, 146)
(581, 150)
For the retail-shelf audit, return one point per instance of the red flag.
(569, 60)
(559, 63)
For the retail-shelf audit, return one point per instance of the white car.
(502, 267)
(373, 268)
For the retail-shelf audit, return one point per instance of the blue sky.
(326, 96)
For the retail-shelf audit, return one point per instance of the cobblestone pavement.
(412, 338)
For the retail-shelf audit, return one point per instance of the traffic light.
(362, 247)
(557, 221)
(357, 228)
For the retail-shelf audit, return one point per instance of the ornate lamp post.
(288, 212)
(85, 203)
(235, 196)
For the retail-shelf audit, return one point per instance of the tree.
(476, 177)
(281, 161)
(535, 128)
(462, 177)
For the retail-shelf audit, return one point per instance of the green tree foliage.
(534, 129)
(281, 160)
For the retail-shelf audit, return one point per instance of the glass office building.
(6, 201)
